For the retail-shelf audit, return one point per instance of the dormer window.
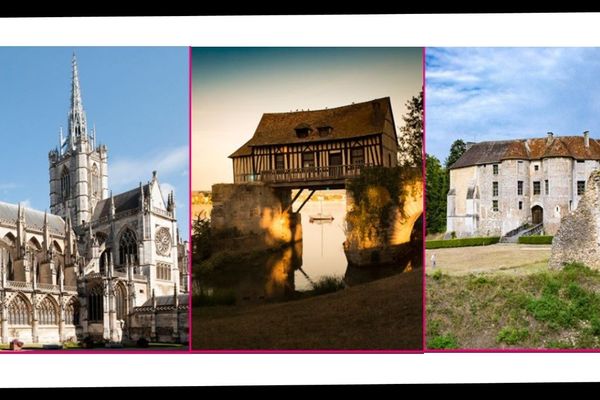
(325, 130)
(302, 130)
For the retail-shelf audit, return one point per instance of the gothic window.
(580, 188)
(121, 302)
(163, 271)
(104, 261)
(128, 251)
(520, 188)
(537, 187)
(72, 312)
(47, 313)
(95, 181)
(95, 304)
(65, 184)
(19, 312)
(357, 155)
(494, 189)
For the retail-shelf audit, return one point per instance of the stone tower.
(78, 168)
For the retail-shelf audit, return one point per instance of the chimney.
(586, 139)
(550, 137)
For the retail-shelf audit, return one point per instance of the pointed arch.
(65, 183)
(10, 239)
(34, 244)
(105, 261)
(128, 248)
(95, 303)
(95, 181)
(57, 247)
(19, 311)
(121, 300)
(72, 311)
(48, 311)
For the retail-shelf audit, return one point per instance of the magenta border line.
(424, 213)
(330, 351)
(189, 221)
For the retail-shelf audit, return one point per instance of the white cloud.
(130, 171)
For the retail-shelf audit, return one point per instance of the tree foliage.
(436, 191)
(410, 142)
(456, 151)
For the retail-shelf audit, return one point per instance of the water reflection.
(283, 274)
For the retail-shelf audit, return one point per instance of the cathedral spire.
(77, 121)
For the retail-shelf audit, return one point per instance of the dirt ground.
(383, 314)
(498, 258)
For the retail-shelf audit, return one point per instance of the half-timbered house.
(318, 148)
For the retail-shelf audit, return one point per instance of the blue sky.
(137, 98)
(233, 87)
(479, 94)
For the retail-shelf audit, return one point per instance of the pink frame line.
(326, 351)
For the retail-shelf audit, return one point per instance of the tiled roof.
(129, 200)
(33, 218)
(355, 120)
(529, 149)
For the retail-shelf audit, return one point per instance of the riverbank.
(385, 314)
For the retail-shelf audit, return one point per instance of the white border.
(404, 30)
(552, 29)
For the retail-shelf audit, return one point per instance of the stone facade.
(255, 210)
(498, 192)
(577, 237)
(100, 263)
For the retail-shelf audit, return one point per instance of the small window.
(357, 155)
(536, 167)
(495, 169)
(308, 160)
(494, 189)
(520, 188)
(546, 188)
(580, 188)
(536, 187)
(494, 205)
(324, 130)
(279, 162)
(520, 205)
(580, 161)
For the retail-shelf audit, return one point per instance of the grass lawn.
(383, 314)
(537, 309)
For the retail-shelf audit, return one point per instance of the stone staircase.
(523, 230)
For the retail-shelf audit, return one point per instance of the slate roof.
(33, 218)
(529, 149)
(125, 201)
(355, 120)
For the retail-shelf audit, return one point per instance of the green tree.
(410, 142)
(456, 151)
(436, 190)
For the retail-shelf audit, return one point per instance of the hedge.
(537, 239)
(465, 242)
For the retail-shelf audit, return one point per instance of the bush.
(443, 342)
(328, 284)
(214, 298)
(465, 242)
(511, 335)
(536, 239)
(143, 342)
(437, 275)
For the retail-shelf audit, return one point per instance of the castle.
(500, 188)
(103, 266)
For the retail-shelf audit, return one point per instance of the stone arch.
(19, 310)
(10, 239)
(537, 214)
(72, 308)
(128, 247)
(56, 247)
(34, 244)
(105, 260)
(48, 311)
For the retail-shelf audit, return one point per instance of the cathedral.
(99, 266)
